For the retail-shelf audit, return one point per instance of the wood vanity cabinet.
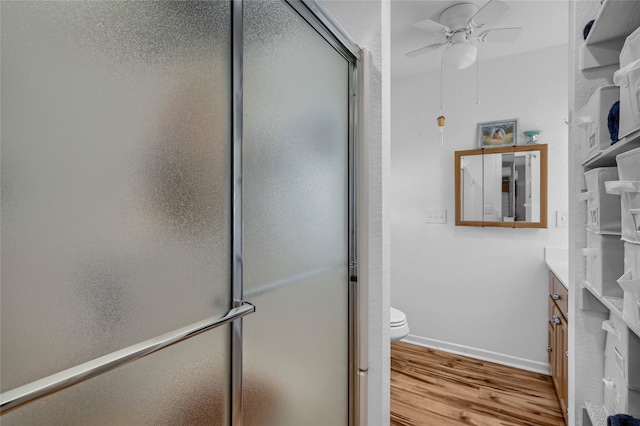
(558, 339)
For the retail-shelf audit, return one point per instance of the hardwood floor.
(430, 387)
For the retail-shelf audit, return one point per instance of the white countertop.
(557, 260)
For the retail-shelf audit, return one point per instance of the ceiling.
(544, 24)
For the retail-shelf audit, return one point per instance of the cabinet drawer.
(559, 294)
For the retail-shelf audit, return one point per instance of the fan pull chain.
(440, 119)
(441, 84)
(478, 80)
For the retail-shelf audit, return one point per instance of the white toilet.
(399, 327)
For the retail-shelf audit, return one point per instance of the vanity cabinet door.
(551, 349)
(562, 364)
(555, 343)
(564, 400)
(558, 340)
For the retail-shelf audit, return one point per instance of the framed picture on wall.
(497, 133)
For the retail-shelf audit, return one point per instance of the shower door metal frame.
(237, 52)
(325, 24)
(314, 14)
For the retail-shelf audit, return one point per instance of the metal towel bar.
(58, 381)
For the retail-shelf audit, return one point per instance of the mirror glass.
(472, 187)
(502, 187)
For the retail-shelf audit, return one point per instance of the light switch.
(436, 215)
(562, 219)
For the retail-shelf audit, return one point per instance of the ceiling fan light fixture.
(460, 55)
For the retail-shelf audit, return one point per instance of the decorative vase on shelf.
(532, 136)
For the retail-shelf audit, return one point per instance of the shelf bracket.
(589, 302)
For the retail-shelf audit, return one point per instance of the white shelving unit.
(607, 158)
(614, 22)
(593, 65)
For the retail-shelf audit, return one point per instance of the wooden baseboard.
(498, 358)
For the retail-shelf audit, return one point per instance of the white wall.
(477, 290)
(367, 22)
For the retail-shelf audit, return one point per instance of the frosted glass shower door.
(151, 182)
(115, 206)
(296, 134)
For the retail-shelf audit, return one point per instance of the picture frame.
(494, 134)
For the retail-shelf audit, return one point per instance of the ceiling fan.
(458, 25)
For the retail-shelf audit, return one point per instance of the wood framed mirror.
(503, 187)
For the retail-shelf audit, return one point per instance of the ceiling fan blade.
(425, 49)
(431, 26)
(500, 35)
(491, 11)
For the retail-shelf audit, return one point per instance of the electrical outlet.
(562, 219)
(436, 215)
